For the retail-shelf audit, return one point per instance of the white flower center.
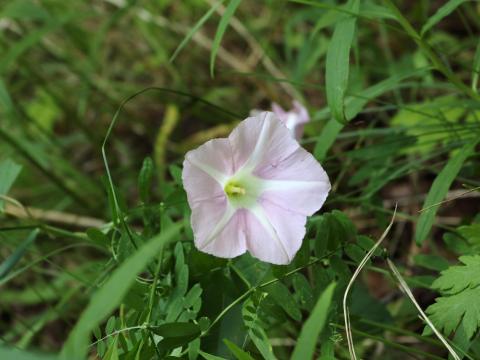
(242, 190)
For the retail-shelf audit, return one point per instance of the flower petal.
(274, 234)
(294, 119)
(301, 112)
(199, 185)
(260, 139)
(226, 238)
(297, 183)
(214, 158)
(214, 224)
(268, 163)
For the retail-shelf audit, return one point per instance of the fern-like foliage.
(255, 330)
(460, 287)
(459, 277)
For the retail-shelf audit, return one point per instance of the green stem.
(154, 286)
(265, 284)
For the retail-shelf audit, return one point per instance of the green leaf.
(16, 354)
(353, 105)
(441, 113)
(12, 260)
(193, 349)
(476, 68)
(222, 26)
(449, 311)
(195, 28)
(432, 262)
(458, 278)
(209, 356)
(303, 291)
(307, 340)
(97, 237)
(176, 334)
(327, 138)
(285, 300)
(24, 10)
(471, 233)
(445, 10)
(9, 171)
(439, 189)
(255, 331)
(110, 295)
(333, 230)
(112, 352)
(145, 179)
(5, 99)
(338, 62)
(236, 351)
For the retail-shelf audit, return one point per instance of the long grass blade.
(445, 10)
(194, 29)
(110, 295)
(439, 189)
(476, 68)
(338, 62)
(307, 340)
(10, 262)
(346, 315)
(222, 26)
(403, 286)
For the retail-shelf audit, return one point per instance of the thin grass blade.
(476, 68)
(404, 287)
(14, 258)
(445, 10)
(439, 189)
(194, 29)
(364, 261)
(9, 171)
(307, 340)
(222, 26)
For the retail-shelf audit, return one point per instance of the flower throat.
(234, 189)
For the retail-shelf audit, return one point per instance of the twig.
(346, 314)
(404, 287)
(450, 199)
(54, 216)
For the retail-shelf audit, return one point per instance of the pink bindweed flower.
(294, 119)
(253, 191)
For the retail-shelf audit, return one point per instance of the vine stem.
(265, 284)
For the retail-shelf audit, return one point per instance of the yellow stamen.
(232, 189)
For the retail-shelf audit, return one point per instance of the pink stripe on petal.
(261, 140)
(214, 157)
(296, 165)
(305, 200)
(297, 183)
(274, 234)
(205, 216)
(200, 186)
(230, 241)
